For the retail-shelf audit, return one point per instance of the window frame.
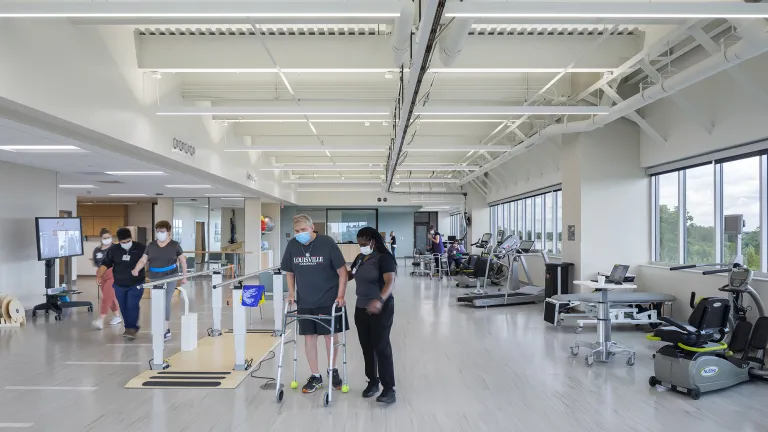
(719, 211)
(514, 217)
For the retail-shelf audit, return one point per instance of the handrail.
(185, 276)
(244, 277)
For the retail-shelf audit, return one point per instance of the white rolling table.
(604, 348)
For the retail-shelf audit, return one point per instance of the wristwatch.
(381, 300)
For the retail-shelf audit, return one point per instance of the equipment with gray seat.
(696, 359)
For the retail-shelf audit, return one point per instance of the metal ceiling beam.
(688, 109)
(431, 13)
(635, 117)
(368, 167)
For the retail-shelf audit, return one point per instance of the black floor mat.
(182, 384)
(192, 373)
(187, 377)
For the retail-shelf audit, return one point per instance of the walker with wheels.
(293, 317)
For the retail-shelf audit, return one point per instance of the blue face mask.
(303, 237)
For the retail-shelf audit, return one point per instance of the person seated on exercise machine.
(456, 254)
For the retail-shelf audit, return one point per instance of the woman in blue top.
(437, 245)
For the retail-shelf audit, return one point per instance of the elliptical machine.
(696, 359)
(475, 268)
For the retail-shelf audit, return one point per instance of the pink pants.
(108, 298)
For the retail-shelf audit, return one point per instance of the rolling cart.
(329, 321)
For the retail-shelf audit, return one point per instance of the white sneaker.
(98, 324)
(116, 320)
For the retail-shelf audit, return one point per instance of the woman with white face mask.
(374, 274)
(108, 298)
(166, 259)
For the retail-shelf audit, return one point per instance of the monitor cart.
(54, 294)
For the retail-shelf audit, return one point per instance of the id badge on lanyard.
(126, 257)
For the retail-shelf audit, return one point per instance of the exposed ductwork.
(452, 42)
(401, 33)
(754, 42)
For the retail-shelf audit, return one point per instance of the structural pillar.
(163, 211)
(252, 235)
(273, 238)
(606, 200)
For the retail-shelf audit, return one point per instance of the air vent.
(110, 182)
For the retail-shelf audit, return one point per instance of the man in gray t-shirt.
(317, 279)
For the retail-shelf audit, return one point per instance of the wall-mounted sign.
(571, 232)
(182, 147)
(250, 178)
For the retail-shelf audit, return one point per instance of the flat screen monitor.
(58, 237)
(526, 245)
(451, 238)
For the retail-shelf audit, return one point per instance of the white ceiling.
(88, 167)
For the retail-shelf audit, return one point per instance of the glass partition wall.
(342, 224)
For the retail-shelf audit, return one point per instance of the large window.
(538, 218)
(342, 225)
(690, 206)
(456, 226)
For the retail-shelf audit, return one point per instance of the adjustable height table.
(604, 348)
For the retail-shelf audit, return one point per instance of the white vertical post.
(251, 262)
(277, 301)
(216, 303)
(238, 326)
(158, 327)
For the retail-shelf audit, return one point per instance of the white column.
(252, 235)
(606, 196)
(273, 238)
(163, 211)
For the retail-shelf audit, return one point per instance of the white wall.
(536, 169)
(737, 115)
(24, 194)
(68, 202)
(188, 216)
(480, 215)
(140, 215)
(273, 238)
(402, 224)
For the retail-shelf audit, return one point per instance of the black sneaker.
(313, 383)
(336, 379)
(371, 390)
(387, 396)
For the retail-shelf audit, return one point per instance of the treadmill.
(515, 294)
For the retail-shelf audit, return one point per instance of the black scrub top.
(369, 276)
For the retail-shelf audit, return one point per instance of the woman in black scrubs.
(374, 273)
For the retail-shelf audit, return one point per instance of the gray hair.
(302, 219)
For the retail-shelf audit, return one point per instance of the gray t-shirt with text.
(314, 266)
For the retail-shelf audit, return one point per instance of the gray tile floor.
(458, 369)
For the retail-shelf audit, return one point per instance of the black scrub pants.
(373, 331)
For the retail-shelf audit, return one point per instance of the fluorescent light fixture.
(78, 187)
(223, 195)
(436, 208)
(442, 167)
(338, 190)
(268, 120)
(272, 111)
(272, 70)
(514, 110)
(426, 180)
(288, 148)
(135, 173)
(189, 186)
(209, 9)
(331, 181)
(337, 167)
(518, 70)
(241, 198)
(621, 10)
(128, 194)
(40, 148)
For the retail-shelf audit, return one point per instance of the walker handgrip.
(709, 272)
(683, 267)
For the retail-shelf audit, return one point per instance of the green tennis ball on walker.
(345, 389)
(294, 384)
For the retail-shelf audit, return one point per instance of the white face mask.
(432, 232)
(127, 246)
(106, 241)
(162, 236)
(366, 250)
